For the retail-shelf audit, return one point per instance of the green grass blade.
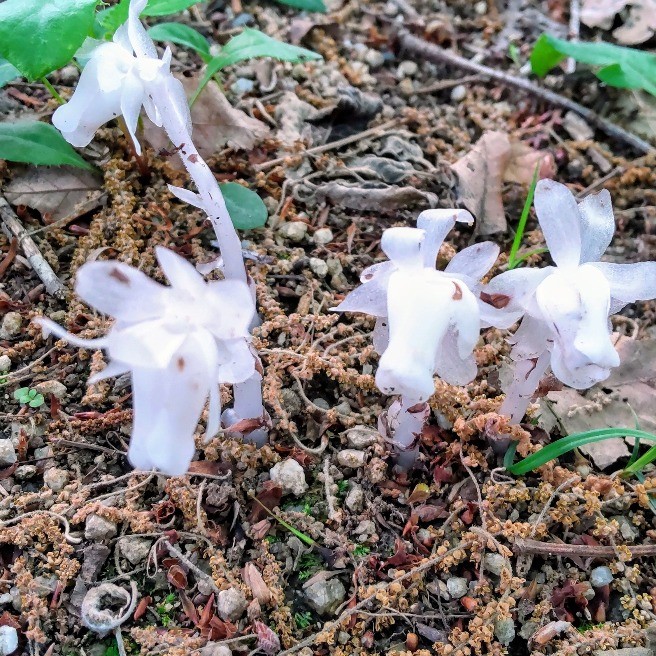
(301, 536)
(521, 226)
(637, 465)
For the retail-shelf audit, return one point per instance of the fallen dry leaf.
(59, 192)
(639, 25)
(216, 123)
(493, 160)
(255, 582)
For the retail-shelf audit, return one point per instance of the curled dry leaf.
(255, 582)
(549, 631)
(267, 640)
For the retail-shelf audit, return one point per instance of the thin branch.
(13, 228)
(425, 51)
(580, 550)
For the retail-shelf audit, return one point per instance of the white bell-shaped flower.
(178, 342)
(428, 321)
(567, 306)
(118, 80)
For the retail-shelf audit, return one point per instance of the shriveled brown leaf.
(549, 631)
(639, 24)
(246, 425)
(188, 607)
(493, 160)
(255, 582)
(211, 467)
(267, 639)
(269, 497)
(140, 610)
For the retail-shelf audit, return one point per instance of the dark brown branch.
(536, 547)
(423, 50)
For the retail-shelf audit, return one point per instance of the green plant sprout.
(299, 534)
(308, 563)
(303, 620)
(28, 396)
(164, 609)
(361, 550)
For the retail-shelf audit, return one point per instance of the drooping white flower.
(428, 321)
(567, 306)
(119, 79)
(178, 342)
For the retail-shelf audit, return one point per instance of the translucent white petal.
(180, 273)
(368, 298)
(630, 282)
(187, 196)
(531, 339)
(574, 370)
(597, 225)
(144, 344)
(474, 261)
(49, 327)
(122, 38)
(450, 366)
(465, 319)
(516, 287)
(208, 349)
(248, 398)
(113, 65)
(437, 224)
(403, 246)
(236, 361)
(231, 305)
(380, 335)
(120, 291)
(132, 95)
(377, 270)
(560, 221)
(141, 43)
(114, 368)
(171, 101)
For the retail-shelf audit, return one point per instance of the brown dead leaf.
(269, 497)
(255, 582)
(639, 25)
(216, 123)
(56, 193)
(496, 159)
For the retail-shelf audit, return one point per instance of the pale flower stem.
(526, 378)
(408, 430)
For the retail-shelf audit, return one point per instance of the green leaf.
(37, 400)
(110, 19)
(307, 5)
(21, 393)
(167, 7)
(246, 208)
(513, 260)
(34, 142)
(40, 36)
(183, 35)
(248, 45)
(619, 66)
(8, 72)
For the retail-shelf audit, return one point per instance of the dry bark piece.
(639, 25)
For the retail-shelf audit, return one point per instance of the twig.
(422, 49)
(13, 228)
(329, 146)
(442, 85)
(598, 183)
(574, 31)
(522, 546)
(328, 483)
(431, 562)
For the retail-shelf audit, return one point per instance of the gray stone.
(628, 530)
(354, 499)
(360, 437)
(457, 586)
(290, 476)
(504, 630)
(42, 586)
(54, 387)
(231, 604)
(325, 596)
(322, 236)
(241, 86)
(95, 556)
(295, 231)
(495, 563)
(25, 472)
(6, 599)
(98, 529)
(459, 93)
(318, 267)
(45, 455)
(56, 479)
(5, 363)
(351, 458)
(8, 640)
(11, 325)
(374, 58)
(406, 69)
(7, 454)
(134, 549)
(215, 649)
(601, 576)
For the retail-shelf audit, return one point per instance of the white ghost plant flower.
(118, 80)
(178, 342)
(427, 321)
(566, 306)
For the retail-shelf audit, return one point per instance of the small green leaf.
(31, 394)
(619, 66)
(248, 45)
(37, 400)
(307, 5)
(167, 7)
(34, 142)
(38, 36)
(21, 393)
(110, 19)
(246, 208)
(8, 72)
(183, 35)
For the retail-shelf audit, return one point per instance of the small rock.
(504, 630)
(231, 604)
(351, 458)
(11, 325)
(98, 529)
(8, 640)
(68, 75)
(5, 599)
(495, 563)
(42, 586)
(322, 236)
(54, 387)
(360, 437)
(406, 69)
(290, 476)
(95, 556)
(295, 231)
(241, 86)
(354, 500)
(459, 93)
(322, 403)
(457, 587)
(56, 479)
(7, 454)
(601, 576)
(481, 8)
(45, 455)
(291, 402)
(629, 532)
(5, 363)
(334, 266)
(215, 649)
(374, 58)
(318, 267)
(135, 550)
(25, 472)
(325, 596)
(406, 87)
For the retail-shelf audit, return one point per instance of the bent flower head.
(120, 78)
(567, 306)
(428, 321)
(178, 342)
